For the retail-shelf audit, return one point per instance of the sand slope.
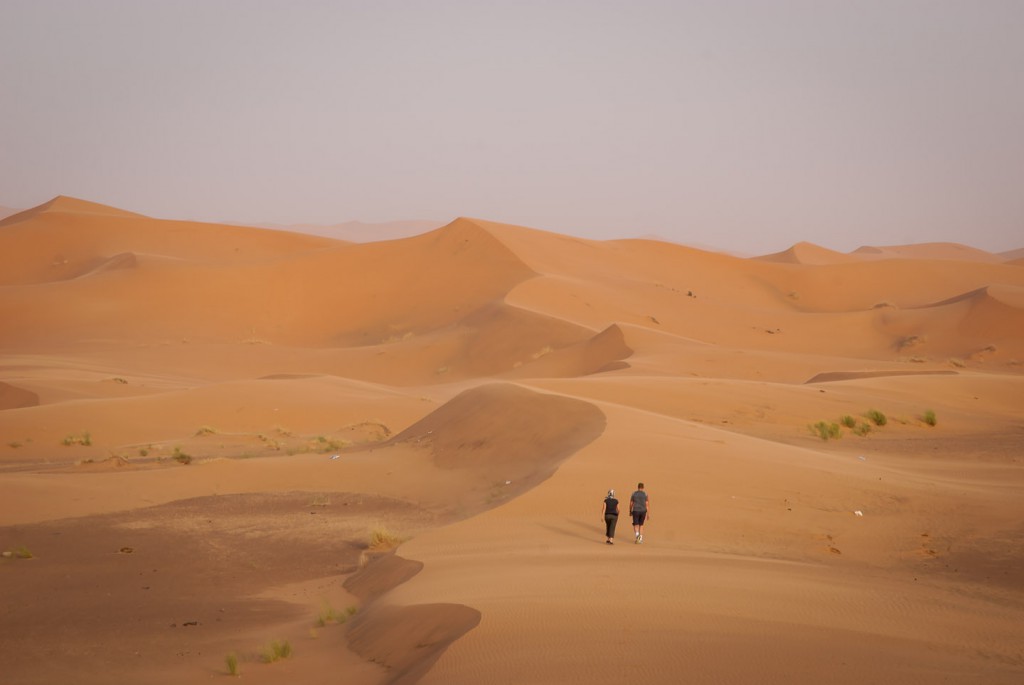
(393, 454)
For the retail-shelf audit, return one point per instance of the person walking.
(640, 510)
(610, 512)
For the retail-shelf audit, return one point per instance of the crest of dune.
(1015, 256)
(63, 204)
(809, 253)
(952, 251)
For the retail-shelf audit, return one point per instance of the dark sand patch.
(408, 640)
(382, 574)
(829, 376)
(13, 397)
(170, 588)
(504, 431)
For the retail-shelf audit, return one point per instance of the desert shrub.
(325, 444)
(232, 663)
(827, 431)
(329, 613)
(276, 651)
(181, 457)
(848, 421)
(323, 618)
(877, 417)
(862, 429)
(23, 552)
(382, 539)
(83, 439)
(205, 430)
(929, 417)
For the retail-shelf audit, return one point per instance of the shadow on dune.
(830, 376)
(408, 640)
(13, 397)
(405, 640)
(174, 581)
(588, 533)
(506, 438)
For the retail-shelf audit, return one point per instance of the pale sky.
(741, 125)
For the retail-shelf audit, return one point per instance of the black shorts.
(639, 517)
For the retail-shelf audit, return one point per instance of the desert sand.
(392, 455)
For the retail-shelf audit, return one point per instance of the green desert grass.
(827, 431)
(329, 614)
(877, 417)
(83, 439)
(276, 651)
(181, 457)
(325, 444)
(862, 429)
(929, 417)
(231, 660)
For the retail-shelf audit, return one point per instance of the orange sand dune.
(67, 238)
(953, 251)
(809, 253)
(1013, 255)
(393, 454)
(7, 211)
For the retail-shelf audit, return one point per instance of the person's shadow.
(576, 528)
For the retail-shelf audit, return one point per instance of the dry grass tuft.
(382, 539)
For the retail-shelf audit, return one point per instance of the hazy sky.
(746, 126)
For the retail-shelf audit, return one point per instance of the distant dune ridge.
(389, 445)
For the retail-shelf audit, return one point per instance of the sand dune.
(393, 454)
(809, 253)
(7, 211)
(953, 251)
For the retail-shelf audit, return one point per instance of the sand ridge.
(244, 409)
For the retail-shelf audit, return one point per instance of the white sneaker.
(639, 539)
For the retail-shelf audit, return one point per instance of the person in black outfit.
(610, 512)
